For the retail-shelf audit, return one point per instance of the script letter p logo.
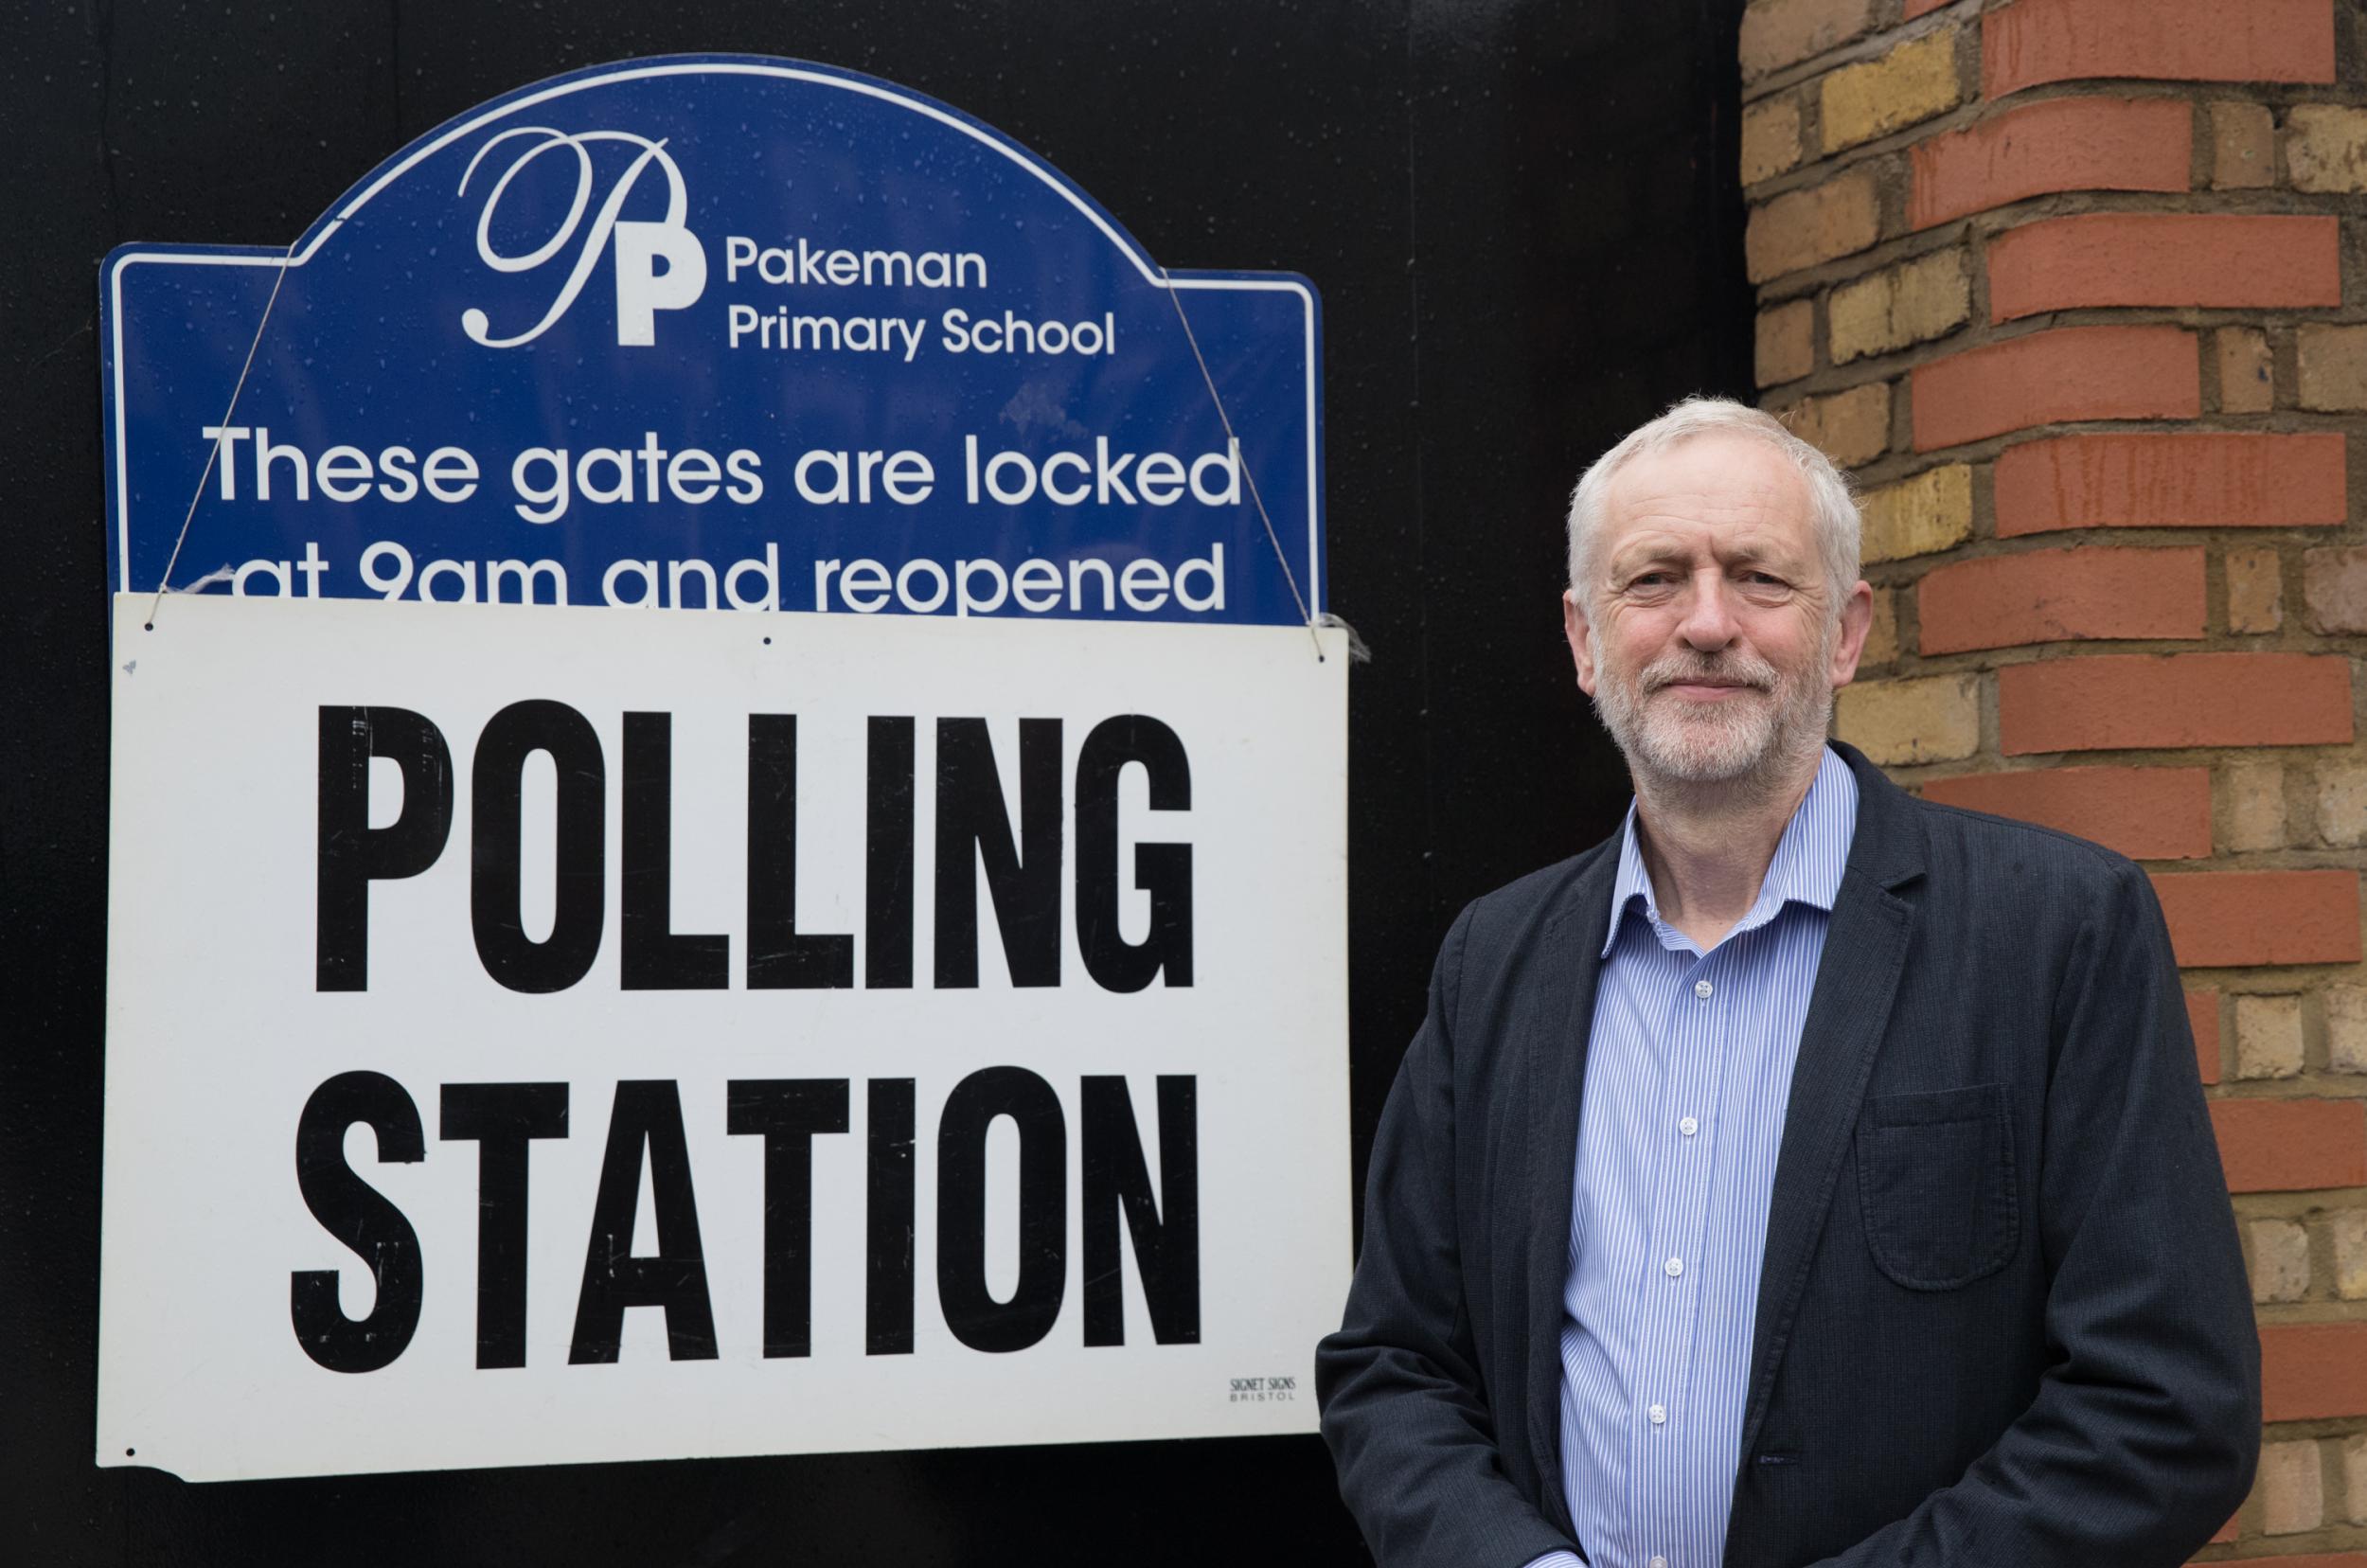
(642, 290)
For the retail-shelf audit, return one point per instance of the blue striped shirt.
(1688, 1073)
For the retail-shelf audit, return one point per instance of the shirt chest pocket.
(1936, 1180)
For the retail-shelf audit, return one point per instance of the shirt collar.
(1807, 869)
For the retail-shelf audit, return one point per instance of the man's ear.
(1574, 626)
(1857, 620)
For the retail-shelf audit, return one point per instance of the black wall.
(1523, 218)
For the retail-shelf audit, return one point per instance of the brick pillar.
(2078, 288)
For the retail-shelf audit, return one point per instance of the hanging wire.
(1175, 297)
(222, 435)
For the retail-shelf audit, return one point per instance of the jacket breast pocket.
(1935, 1182)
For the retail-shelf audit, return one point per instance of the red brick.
(2058, 595)
(2039, 41)
(2061, 144)
(2309, 1372)
(2172, 481)
(2203, 1019)
(2070, 373)
(2292, 1145)
(2145, 813)
(2228, 1531)
(2219, 919)
(2110, 259)
(1919, 8)
(2115, 702)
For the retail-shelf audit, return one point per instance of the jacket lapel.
(1866, 950)
(1554, 1062)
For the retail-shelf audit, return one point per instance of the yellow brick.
(2293, 1488)
(1911, 82)
(1933, 296)
(1931, 511)
(2326, 147)
(2350, 1283)
(1881, 638)
(2343, 806)
(1785, 348)
(2346, 1052)
(1817, 223)
(1849, 427)
(2247, 378)
(2333, 364)
(2277, 1255)
(2354, 1469)
(1776, 33)
(2268, 1036)
(2255, 592)
(2243, 146)
(2255, 815)
(1930, 719)
(1857, 318)
(1923, 299)
(1770, 138)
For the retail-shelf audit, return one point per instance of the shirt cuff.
(1556, 1560)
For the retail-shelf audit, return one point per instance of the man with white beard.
(1808, 1173)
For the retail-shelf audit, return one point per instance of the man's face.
(1707, 637)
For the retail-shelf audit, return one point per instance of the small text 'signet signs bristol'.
(740, 846)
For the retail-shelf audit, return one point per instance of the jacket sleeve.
(2143, 1437)
(1405, 1407)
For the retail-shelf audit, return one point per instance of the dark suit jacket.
(2002, 1317)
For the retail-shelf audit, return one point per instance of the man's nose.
(1709, 622)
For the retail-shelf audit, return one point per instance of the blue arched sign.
(718, 331)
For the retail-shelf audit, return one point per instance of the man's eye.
(1649, 580)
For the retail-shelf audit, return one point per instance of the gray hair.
(1831, 509)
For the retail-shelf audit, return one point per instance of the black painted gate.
(1523, 218)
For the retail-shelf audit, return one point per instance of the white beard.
(1760, 734)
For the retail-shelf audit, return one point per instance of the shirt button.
(1688, 1127)
(1703, 988)
(1659, 1415)
(1674, 1266)
(1660, 1562)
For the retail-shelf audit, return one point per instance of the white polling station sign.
(543, 1035)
